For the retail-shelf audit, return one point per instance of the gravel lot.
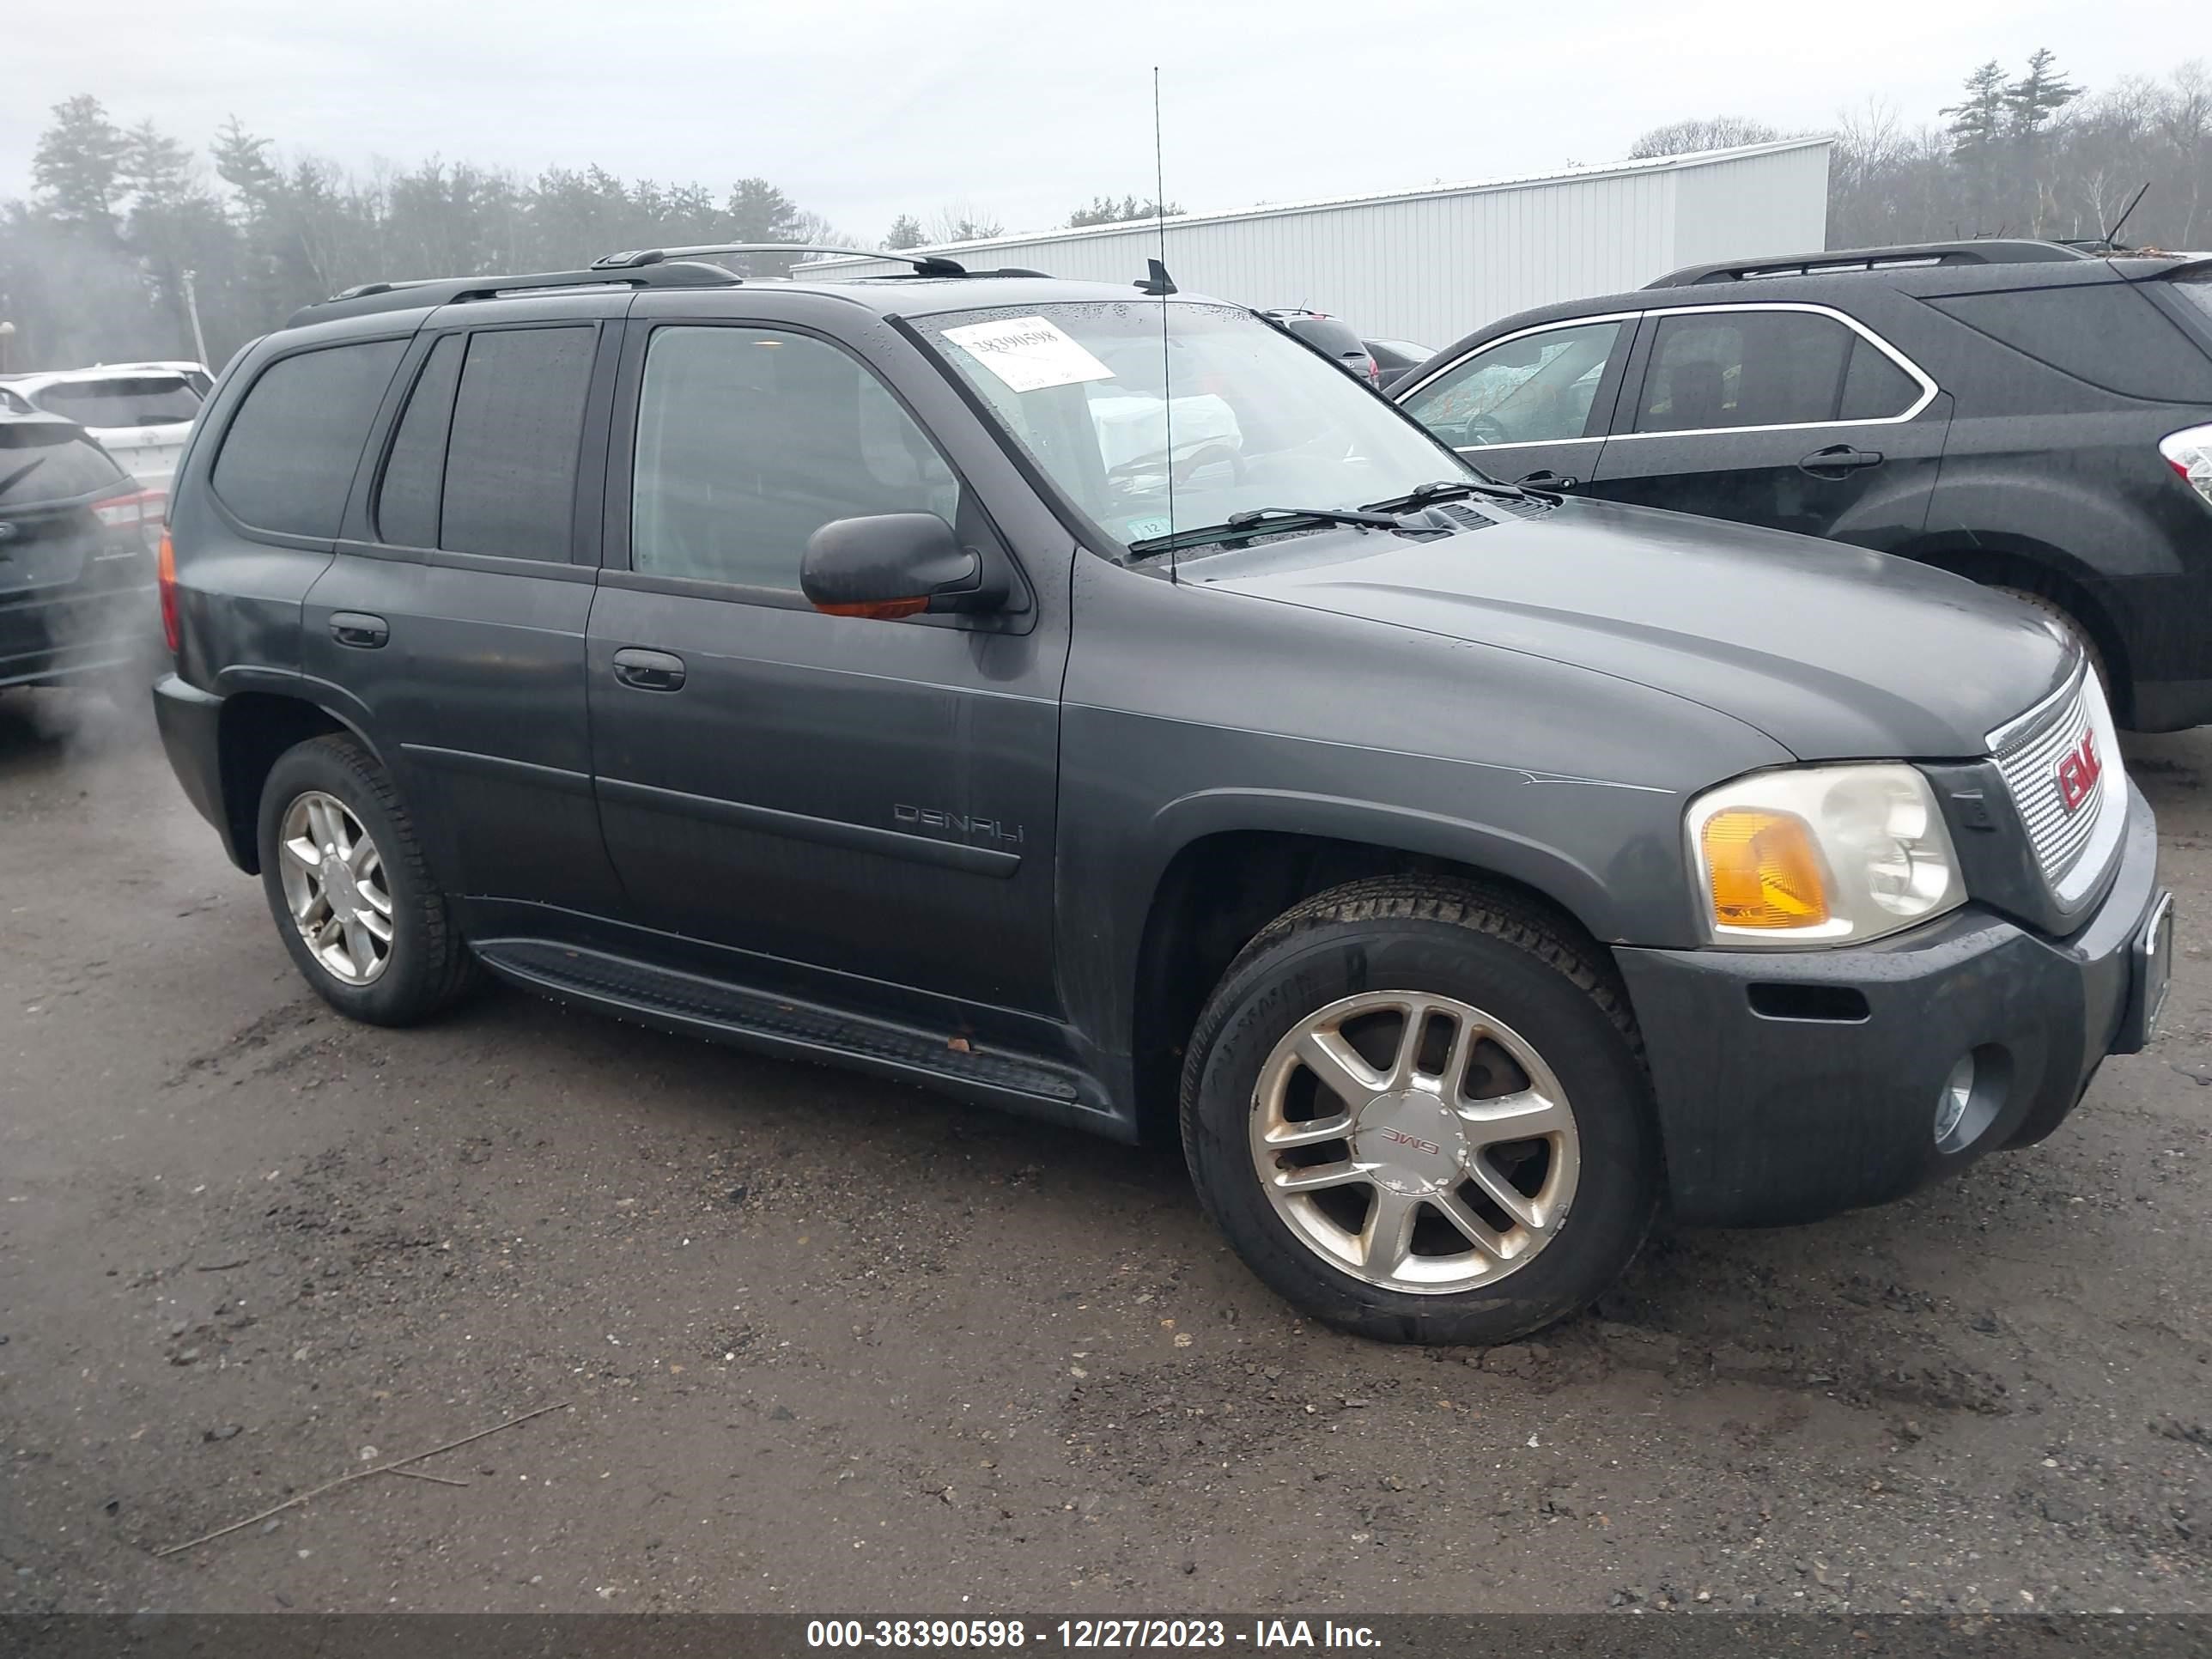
(828, 1345)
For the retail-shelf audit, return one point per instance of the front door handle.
(1837, 459)
(1544, 478)
(359, 630)
(650, 670)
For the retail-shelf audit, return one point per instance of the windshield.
(142, 400)
(1254, 420)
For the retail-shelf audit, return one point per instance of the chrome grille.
(2072, 844)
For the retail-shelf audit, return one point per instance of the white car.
(139, 413)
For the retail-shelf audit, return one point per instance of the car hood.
(1833, 651)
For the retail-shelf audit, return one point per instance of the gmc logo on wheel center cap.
(1404, 1139)
(2078, 772)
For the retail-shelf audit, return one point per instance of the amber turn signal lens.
(878, 610)
(165, 585)
(1764, 870)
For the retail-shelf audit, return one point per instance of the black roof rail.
(367, 297)
(925, 264)
(1986, 251)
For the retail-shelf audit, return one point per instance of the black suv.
(2026, 414)
(78, 536)
(1098, 706)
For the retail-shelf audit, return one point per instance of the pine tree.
(77, 166)
(905, 232)
(2032, 100)
(1979, 119)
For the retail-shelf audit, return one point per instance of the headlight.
(1822, 855)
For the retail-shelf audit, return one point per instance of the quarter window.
(288, 458)
(751, 440)
(1539, 388)
(511, 455)
(1716, 370)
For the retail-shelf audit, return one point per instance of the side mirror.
(896, 564)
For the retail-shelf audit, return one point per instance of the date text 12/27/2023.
(1001, 1634)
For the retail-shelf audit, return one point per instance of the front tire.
(1418, 1111)
(350, 890)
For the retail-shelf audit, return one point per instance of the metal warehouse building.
(1431, 263)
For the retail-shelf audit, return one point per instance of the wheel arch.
(258, 726)
(2003, 559)
(1220, 886)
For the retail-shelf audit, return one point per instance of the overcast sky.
(861, 109)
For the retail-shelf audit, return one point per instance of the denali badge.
(2078, 772)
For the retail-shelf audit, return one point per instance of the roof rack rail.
(1987, 251)
(925, 264)
(423, 292)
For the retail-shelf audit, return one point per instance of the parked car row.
(1101, 709)
(86, 457)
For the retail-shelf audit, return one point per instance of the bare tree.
(1705, 132)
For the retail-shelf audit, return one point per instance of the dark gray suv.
(2027, 414)
(935, 675)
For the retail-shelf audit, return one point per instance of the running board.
(709, 1008)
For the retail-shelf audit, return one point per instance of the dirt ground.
(825, 1344)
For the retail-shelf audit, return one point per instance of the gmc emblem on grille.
(2078, 772)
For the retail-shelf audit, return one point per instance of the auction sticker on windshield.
(1027, 353)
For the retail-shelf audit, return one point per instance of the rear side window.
(144, 400)
(41, 462)
(289, 458)
(414, 475)
(511, 456)
(1745, 367)
(2196, 291)
(1874, 387)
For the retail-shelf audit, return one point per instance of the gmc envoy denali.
(1093, 702)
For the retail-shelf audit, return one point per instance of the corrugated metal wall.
(1430, 266)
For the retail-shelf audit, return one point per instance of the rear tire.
(350, 891)
(1464, 1010)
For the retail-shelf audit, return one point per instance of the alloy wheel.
(1414, 1142)
(335, 887)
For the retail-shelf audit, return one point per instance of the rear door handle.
(359, 630)
(650, 670)
(1544, 478)
(1837, 459)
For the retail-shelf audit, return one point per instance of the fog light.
(1951, 1103)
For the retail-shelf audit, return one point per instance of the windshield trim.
(1071, 514)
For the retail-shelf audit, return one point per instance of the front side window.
(1538, 388)
(750, 439)
(288, 458)
(1715, 370)
(1222, 415)
(518, 420)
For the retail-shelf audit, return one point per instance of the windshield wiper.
(1265, 521)
(1444, 488)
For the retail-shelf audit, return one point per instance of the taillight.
(2189, 452)
(165, 582)
(139, 512)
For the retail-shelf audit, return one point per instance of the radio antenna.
(1161, 283)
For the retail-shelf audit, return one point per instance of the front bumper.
(1826, 1099)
